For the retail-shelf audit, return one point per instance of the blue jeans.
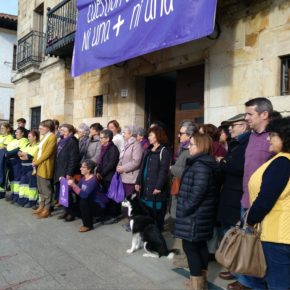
(278, 265)
(253, 282)
(278, 269)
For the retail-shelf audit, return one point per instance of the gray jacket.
(92, 149)
(179, 166)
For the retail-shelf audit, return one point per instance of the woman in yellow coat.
(269, 189)
(44, 164)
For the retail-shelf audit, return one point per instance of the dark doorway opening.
(174, 97)
(160, 96)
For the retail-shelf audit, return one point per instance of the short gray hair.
(132, 129)
(141, 132)
(262, 105)
(84, 128)
(190, 126)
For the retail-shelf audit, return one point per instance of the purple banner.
(111, 31)
(63, 192)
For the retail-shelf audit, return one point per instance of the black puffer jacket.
(197, 199)
(153, 173)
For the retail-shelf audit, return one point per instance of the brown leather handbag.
(175, 184)
(241, 251)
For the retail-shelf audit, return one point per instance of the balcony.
(61, 26)
(30, 51)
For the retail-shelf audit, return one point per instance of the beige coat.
(130, 160)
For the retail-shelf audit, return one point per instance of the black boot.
(62, 216)
(69, 218)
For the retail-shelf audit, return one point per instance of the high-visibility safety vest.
(31, 149)
(5, 140)
(17, 143)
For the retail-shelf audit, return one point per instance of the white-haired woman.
(130, 160)
(83, 134)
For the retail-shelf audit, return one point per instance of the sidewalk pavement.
(52, 254)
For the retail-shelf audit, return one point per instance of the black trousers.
(114, 209)
(197, 256)
(159, 215)
(89, 209)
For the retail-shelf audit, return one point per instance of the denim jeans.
(278, 265)
(278, 269)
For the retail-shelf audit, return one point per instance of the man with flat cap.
(232, 168)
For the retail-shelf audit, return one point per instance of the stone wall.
(243, 63)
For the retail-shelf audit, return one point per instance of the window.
(35, 117)
(99, 106)
(285, 75)
(11, 117)
(14, 57)
(38, 18)
(190, 106)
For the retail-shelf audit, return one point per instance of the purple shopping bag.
(63, 192)
(116, 190)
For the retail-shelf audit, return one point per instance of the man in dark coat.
(21, 123)
(232, 168)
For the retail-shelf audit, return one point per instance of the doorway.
(174, 97)
(160, 96)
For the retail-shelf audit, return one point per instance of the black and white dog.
(144, 231)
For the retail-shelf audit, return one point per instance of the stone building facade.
(246, 58)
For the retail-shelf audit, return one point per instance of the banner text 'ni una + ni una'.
(111, 31)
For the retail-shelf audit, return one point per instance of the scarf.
(145, 143)
(41, 144)
(62, 143)
(182, 146)
(104, 149)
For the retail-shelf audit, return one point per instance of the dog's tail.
(172, 253)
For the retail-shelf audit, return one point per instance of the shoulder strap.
(160, 156)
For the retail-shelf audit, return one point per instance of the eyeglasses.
(237, 124)
(181, 133)
(272, 134)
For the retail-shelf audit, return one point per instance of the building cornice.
(6, 86)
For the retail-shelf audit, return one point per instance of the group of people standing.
(244, 165)
(250, 175)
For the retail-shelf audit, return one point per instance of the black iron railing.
(61, 26)
(30, 49)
